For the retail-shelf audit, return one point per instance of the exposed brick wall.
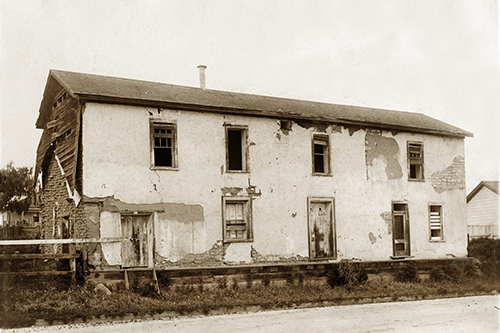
(451, 178)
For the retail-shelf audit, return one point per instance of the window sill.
(437, 241)
(322, 174)
(237, 171)
(416, 180)
(164, 168)
(238, 241)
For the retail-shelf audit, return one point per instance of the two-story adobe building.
(166, 175)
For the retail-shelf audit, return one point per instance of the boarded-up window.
(236, 148)
(436, 222)
(321, 154)
(163, 141)
(237, 219)
(416, 160)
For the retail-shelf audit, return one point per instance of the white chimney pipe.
(202, 76)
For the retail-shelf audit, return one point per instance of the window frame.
(324, 140)
(441, 224)
(247, 211)
(154, 124)
(244, 147)
(414, 160)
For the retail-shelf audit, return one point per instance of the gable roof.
(97, 88)
(491, 185)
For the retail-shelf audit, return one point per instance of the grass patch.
(23, 306)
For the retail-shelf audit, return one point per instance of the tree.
(16, 188)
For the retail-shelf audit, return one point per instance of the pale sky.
(438, 57)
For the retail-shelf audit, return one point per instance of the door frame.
(149, 235)
(406, 229)
(333, 237)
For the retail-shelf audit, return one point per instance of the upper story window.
(321, 155)
(415, 160)
(236, 148)
(163, 145)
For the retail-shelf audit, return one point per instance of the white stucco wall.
(116, 162)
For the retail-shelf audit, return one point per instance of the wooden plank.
(59, 241)
(16, 256)
(76, 148)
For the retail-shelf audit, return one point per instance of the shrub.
(487, 251)
(447, 272)
(346, 274)
(266, 280)
(407, 273)
(222, 282)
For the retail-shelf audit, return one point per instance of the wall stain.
(387, 217)
(380, 147)
(182, 213)
(167, 210)
(372, 237)
(451, 178)
(231, 190)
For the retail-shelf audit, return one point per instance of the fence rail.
(71, 255)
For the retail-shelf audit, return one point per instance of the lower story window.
(436, 222)
(237, 219)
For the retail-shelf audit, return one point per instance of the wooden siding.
(62, 136)
(482, 214)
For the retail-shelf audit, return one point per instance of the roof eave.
(259, 113)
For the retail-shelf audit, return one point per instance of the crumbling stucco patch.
(380, 157)
(372, 237)
(353, 129)
(387, 217)
(213, 257)
(259, 258)
(319, 126)
(451, 178)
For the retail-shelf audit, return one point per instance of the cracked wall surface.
(186, 201)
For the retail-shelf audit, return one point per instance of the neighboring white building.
(483, 210)
(183, 176)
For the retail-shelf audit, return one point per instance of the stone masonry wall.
(60, 217)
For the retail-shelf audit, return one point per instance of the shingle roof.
(88, 87)
(492, 185)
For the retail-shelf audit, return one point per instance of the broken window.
(163, 145)
(436, 222)
(321, 155)
(237, 219)
(236, 148)
(416, 160)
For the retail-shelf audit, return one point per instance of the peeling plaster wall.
(369, 171)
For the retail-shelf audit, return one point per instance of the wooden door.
(321, 240)
(135, 240)
(401, 232)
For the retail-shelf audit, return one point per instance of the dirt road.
(468, 314)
